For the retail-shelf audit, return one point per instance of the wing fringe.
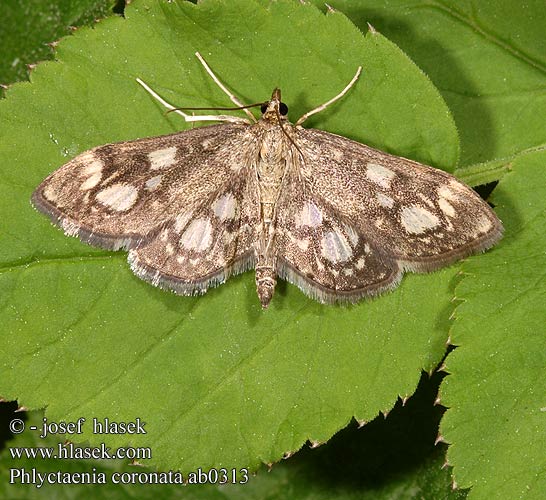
(72, 228)
(331, 296)
(185, 287)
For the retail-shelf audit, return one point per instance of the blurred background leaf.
(28, 27)
(487, 59)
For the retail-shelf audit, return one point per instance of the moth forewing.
(338, 219)
(119, 195)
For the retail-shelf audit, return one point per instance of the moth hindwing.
(338, 219)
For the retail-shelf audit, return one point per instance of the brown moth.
(336, 218)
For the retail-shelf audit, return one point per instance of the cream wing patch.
(483, 225)
(50, 193)
(153, 182)
(118, 197)
(162, 158)
(384, 200)
(93, 173)
(335, 247)
(310, 215)
(380, 175)
(446, 207)
(417, 220)
(197, 236)
(225, 207)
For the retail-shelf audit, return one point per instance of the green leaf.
(497, 415)
(488, 59)
(372, 462)
(27, 28)
(217, 380)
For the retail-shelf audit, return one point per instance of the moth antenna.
(238, 108)
(191, 118)
(331, 101)
(232, 97)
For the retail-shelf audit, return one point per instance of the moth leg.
(192, 118)
(217, 81)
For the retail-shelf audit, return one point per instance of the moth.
(338, 219)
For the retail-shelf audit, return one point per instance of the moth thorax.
(272, 147)
(270, 180)
(265, 284)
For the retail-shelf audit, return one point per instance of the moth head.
(274, 109)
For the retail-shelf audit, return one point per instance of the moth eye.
(283, 109)
(263, 107)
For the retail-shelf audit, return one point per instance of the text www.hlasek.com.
(70, 452)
